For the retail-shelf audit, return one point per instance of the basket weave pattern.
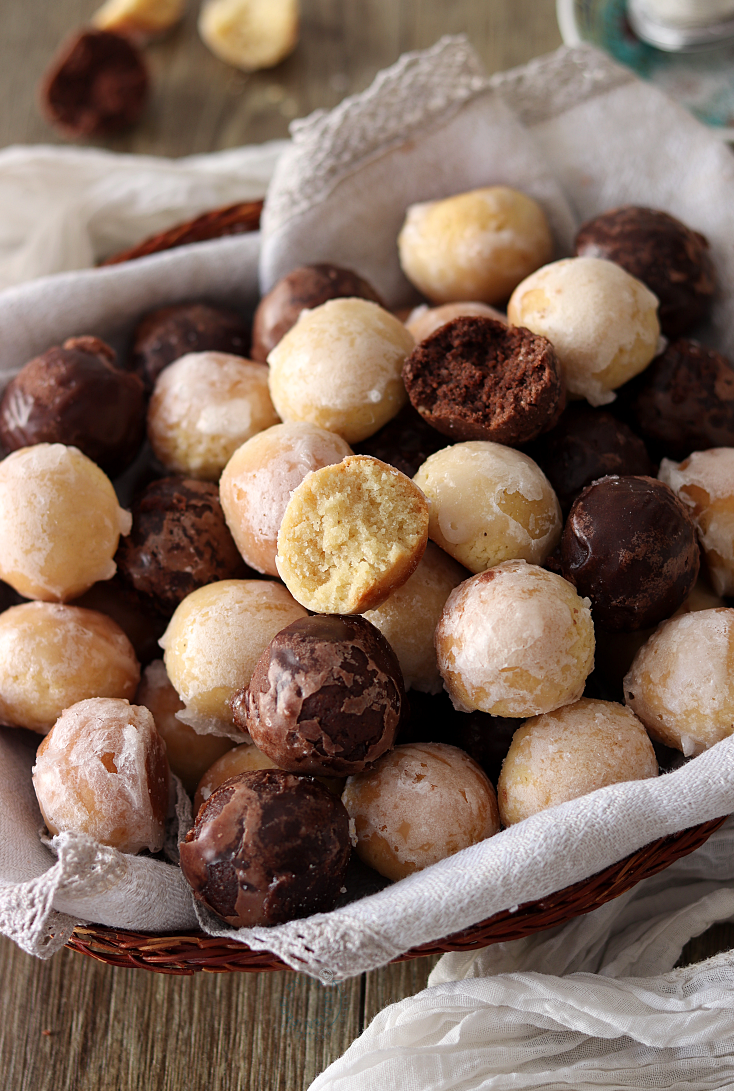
(191, 952)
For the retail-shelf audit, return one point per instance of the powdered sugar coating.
(102, 771)
(204, 406)
(515, 640)
(52, 656)
(705, 484)
(476, 245)
(420, 803)
(213, 642)
(601, 321)
(340, 368)
(60, 522)
(569, 753)
(489, 503)
(681, 682)
(261, 475)
(408, 618)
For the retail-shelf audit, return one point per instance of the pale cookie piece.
(423, 321)
(515, 640)
(351, 534)
(189, 754)
(250, 34)
(704, 482)
(569, 753)
(408, 618)
(489, 503)
(139, 19)
(420, 803)
(102, 770)
(52, 656)
(340, 367)
(601, 321)
(204, 406)
(213, 642)
(60, 522)
(261, 475)
(681, 682)
(477, 245)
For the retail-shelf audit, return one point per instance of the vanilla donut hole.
(515, 640)
(570, 752)
(489, 503)
(102, 771)
(419, 804)
(68, 654)
(340, 367)
(261, 475)
(204, 406)
(681, 682)
(477, 245)
(213, 642)
(601, 321)
(60, 522)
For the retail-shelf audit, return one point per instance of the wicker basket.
(190, 952)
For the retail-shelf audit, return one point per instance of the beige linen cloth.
(579, 133)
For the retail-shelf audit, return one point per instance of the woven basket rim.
(187, 952)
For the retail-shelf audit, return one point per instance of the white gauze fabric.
(415, 133)
(592, 1004)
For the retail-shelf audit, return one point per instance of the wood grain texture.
(73, 1024)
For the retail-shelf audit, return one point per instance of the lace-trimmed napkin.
(430, 126)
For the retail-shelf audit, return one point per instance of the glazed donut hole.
(340, 368)
(102, 771)
(602, 322)
(189, 754)
(489, 503)
(213, 642)
(408, 618)
(515, 640)
(570, 752)
(681, 682)
(351, 534)
(303, 288)
(60, 522)
(477, 245)
(704, 482)
(423, 320)
(261, 475)
(246, 758)
(203, 407)
(420, 803)
(68, 654)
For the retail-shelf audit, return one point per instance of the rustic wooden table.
(73, 1024)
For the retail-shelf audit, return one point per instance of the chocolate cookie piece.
(168, 333)
(684, 401)
(74, 394)
(178, 543)
(630, 546)
(405, 442)
(671, 259)
(325, 697)
(587, 444)
(96, 85)
(476, 378)
(303, 289)
(267, 847)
